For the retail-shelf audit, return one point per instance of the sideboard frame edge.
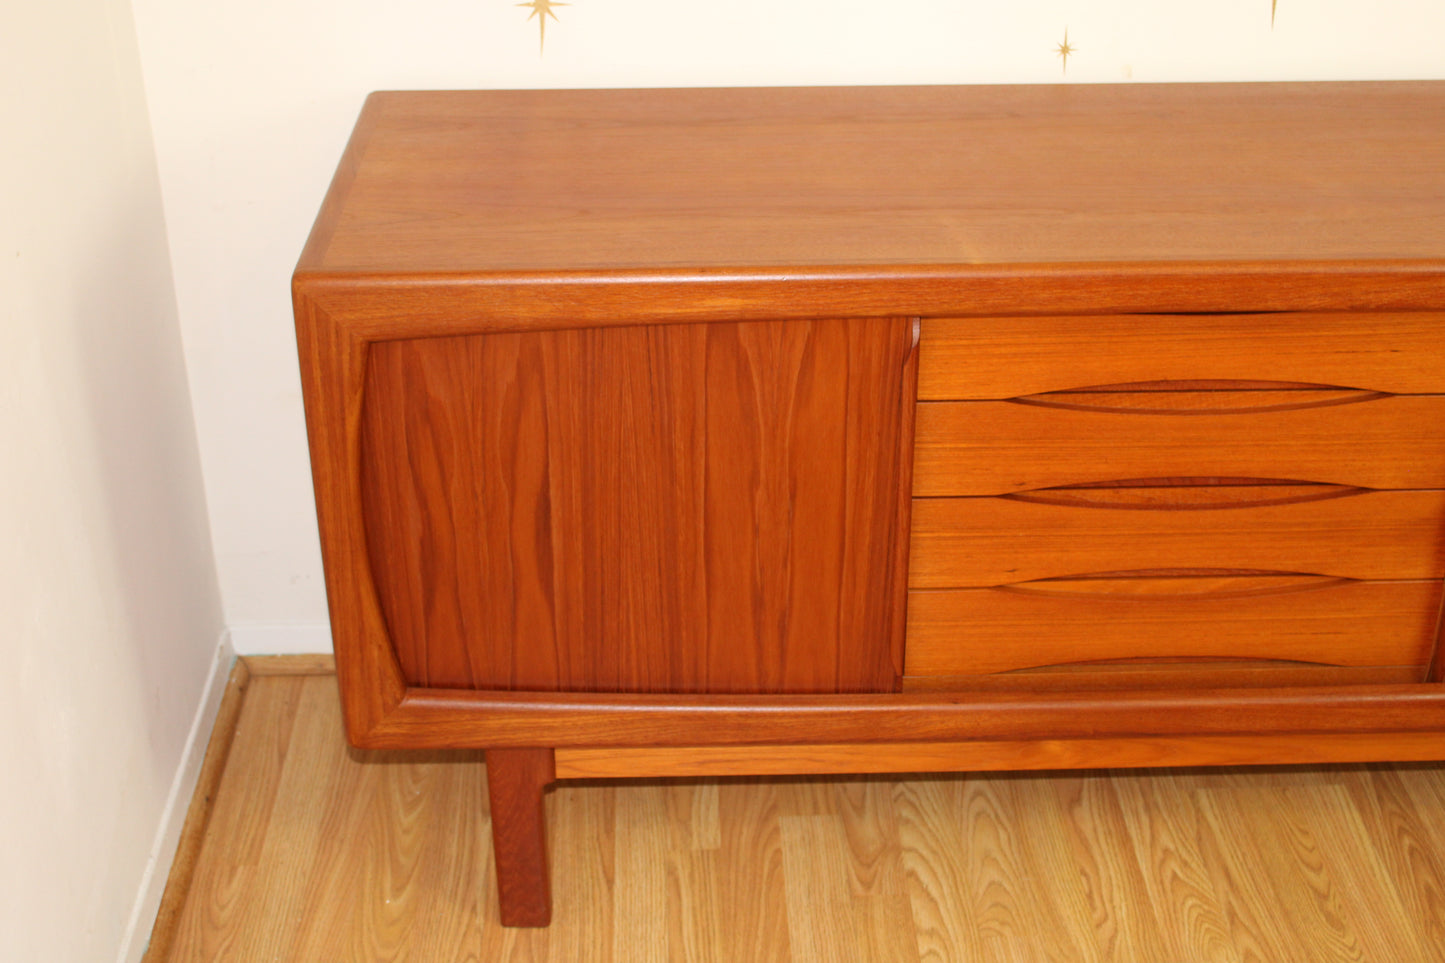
(378, 307)
(337, 318)
(435, 718)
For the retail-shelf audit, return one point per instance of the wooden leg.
(516, 779)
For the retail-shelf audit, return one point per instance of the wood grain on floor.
(313, 852)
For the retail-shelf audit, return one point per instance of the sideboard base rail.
(894, 758)
(461, 719)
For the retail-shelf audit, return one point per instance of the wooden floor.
(315, 853)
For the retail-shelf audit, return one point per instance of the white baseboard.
(178, 803)
(281, 638)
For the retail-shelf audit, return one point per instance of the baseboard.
(173, 816)
(281, 638)
(318, 663)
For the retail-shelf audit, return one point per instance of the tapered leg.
(516, 780)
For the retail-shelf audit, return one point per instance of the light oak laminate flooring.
(316, 853)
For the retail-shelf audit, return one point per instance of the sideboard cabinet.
(754, 431)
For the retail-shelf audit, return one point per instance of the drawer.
(1265, 620)
(1314, 529)
(999, 447)
(1170, 498)
(994, 358)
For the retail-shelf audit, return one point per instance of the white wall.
(109, 609)
(252, 103)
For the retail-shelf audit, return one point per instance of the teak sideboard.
(752, 431)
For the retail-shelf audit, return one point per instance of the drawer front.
(992, 358)
(998, 447)
(965, 542)
(1237, 498)
(1236, 619)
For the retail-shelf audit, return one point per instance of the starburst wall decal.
(1065, 49)
(542, 9)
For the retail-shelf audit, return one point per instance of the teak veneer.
(831, 430)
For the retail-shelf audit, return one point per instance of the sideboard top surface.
(627, 182)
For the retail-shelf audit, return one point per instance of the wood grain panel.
(963, 542)
(997, 447)
(617, 180)
(955, 632)
(996, 358)
(650, 509)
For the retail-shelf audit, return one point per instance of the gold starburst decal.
(542, 9)
(1273, 6)
(1065, 49)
